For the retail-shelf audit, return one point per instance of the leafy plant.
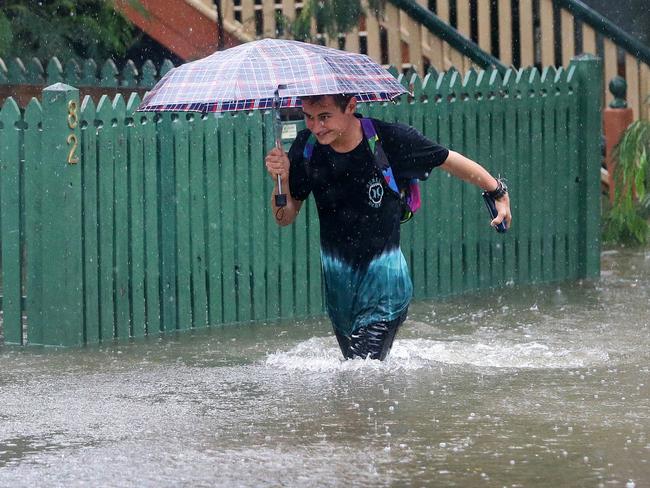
(63, 28)
(332, 17)
(626, 222)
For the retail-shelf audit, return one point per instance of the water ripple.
(320, 355)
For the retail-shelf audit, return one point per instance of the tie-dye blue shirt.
(366, 277)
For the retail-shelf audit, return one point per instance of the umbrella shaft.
(279, 185)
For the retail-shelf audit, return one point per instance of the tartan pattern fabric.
(246, 77)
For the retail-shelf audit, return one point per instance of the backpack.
(409, 195)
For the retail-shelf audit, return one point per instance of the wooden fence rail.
(521, 33)
(117, 224)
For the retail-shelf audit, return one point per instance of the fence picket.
(54, 71)
(182, 206)
(510, 167)
(472, 117)
(487, 134)
(135, 164)
(273, 251)
(149, 73)
(90, 222)
(214, 219)
(456, 188)
(228, 243)
(108, 74)
(536, 175)
(443, 112)
(418, 223)
(198, 200)
(431, 204)
(34, 220)
(89, 72)
(561, 181)
(129, 75)
(35, 73)
(523, 179)
(16, 72)
(574, 175)
(151, 200)
(121, 229)
(71, 72)
(11, 135)
(259, 200)
(106, 215)
(549, 173)
(241, 205)
(167, 214)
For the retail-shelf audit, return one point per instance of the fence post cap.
(59, 87)
(618, 88)
(586, 57)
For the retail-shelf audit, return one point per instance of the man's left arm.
(470, 171)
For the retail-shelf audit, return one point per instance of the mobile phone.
(492, 210)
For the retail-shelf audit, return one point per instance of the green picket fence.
(88, 72)
(118, 224)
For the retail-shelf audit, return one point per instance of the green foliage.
(63, 28)
(626, 222)
(332, 17)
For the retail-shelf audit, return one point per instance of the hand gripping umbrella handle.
(280, 198)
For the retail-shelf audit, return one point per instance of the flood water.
(528, 386)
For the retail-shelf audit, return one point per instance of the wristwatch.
(499, 191)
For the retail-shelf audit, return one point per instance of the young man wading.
(346, 162)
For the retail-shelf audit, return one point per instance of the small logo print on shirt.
(375, 192)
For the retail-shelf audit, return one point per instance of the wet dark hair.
(341, 100)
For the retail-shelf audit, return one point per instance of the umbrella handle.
(280, 198)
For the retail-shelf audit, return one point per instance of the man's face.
(326, 120)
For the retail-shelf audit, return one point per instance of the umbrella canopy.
(247, 77)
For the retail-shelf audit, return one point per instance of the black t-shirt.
(365, 274)
(359, 221)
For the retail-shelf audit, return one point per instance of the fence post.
(616, 118)
(62, 268)
(589, 75)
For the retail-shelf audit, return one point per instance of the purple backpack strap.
(381, 161)
(308, 151)
(413, 198)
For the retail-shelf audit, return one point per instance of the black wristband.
(499, 191)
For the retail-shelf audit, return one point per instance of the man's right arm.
(277, 163)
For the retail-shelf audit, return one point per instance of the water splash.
(321, 354)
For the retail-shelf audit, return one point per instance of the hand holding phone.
(492, 209)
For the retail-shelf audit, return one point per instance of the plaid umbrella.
(247, 77)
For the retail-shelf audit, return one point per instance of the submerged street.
(529, 386)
